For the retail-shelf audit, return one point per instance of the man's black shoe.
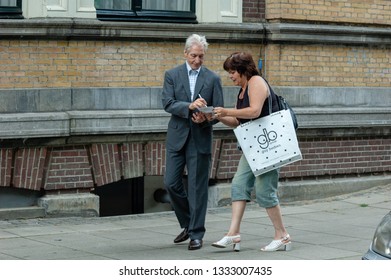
(183, 236)
(195, 244)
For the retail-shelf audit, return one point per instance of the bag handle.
(270, 102)
(270, 97)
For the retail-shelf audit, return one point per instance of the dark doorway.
(121, 198)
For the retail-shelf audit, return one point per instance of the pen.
(199, 95)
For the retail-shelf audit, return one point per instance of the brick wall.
(48, 64)
(78, 168)
(106, 163)
(5, 167)
(253, 10)
(338, 156)
(228, 161)
(329, 66)
(73, 64)
(34, 64)
(327, 157)
(155, 158)
(28, 168)
(337, 11)
(68, 168)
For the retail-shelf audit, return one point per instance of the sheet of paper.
(206, 110)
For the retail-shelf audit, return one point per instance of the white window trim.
(60, 8)
(211, 11)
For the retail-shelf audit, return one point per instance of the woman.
(252, 103)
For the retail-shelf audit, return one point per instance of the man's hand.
(198, 117)
(198, 103)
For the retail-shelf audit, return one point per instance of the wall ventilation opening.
(14, 197)
(121, 198)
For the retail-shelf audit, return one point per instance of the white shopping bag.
(269, 142)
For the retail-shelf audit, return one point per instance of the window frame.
(14, 12)
(137, 14)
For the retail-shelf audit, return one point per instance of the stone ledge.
(67, 28)
(22, 213)
(72, 123)
(40, 113)
(16, 101)
(117, 121)
(328, 34)
(62, 205)
(309, 33)
(219, 195)
(28, 125)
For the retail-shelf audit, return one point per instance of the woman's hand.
(224, 116)
(219, 112)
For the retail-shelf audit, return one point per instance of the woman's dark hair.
(241, 62)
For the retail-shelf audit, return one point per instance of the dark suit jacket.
(176, 101)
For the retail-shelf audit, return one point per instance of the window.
(181, 11)
(11, 9)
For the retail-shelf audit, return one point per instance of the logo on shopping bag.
(266, 138)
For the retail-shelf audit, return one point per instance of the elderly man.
(187, 88)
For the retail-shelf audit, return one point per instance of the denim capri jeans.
(265, 185)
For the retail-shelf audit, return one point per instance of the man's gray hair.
(196, 39)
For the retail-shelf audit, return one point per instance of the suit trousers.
(189, 202)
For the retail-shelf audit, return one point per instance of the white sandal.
(228, 241)
(283, 244)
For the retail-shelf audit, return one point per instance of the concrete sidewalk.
(329, 229)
